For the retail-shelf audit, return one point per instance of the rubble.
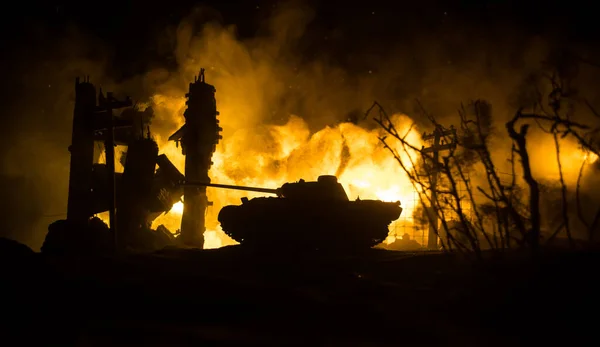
(68, 237)
(10, 249)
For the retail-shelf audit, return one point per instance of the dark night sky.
(130, 30)
(31, 32)
(375, 22)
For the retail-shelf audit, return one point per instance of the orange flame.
(271, 155)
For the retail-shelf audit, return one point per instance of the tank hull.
(280, 222)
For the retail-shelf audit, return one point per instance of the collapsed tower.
(133, 198)
(198, 137)
(93, 120)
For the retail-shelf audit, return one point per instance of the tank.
(317, 215)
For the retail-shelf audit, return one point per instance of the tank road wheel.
(378, 234)
(364, 236)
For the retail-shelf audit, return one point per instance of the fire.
(542, 153)
(590, 157)
(253, 81)
(177, 208)
(271, 155)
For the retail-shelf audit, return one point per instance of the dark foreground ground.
(233, 297)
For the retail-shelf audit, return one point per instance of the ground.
(232, 296)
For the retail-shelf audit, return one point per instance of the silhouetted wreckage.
(306, 215)
(9, 249)
(133, 198)
(198, 137)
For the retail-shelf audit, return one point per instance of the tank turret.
(316, 214)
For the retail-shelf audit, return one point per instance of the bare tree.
(555, 115)
(463, 232)
(505, 217)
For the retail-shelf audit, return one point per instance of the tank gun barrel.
(227, 186)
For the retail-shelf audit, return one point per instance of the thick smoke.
(260, 82)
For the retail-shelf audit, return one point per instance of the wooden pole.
(109, 103)
(110, 165)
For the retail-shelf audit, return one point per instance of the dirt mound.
(68, 237)
(11, 249)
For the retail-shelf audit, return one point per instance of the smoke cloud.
(266, 86)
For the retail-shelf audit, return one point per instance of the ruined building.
(133, 198)
(138, 195)
(198, 137)
(93, 121)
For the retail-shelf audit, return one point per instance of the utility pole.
(437, 135)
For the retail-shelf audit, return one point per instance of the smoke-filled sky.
(321, 61)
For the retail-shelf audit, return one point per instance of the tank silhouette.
(316, 215)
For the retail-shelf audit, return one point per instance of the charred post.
(82, 152)
(136, 187)
(198, 137)
(166, 189)
(109, 148)
(108, 104)
(169, 170)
